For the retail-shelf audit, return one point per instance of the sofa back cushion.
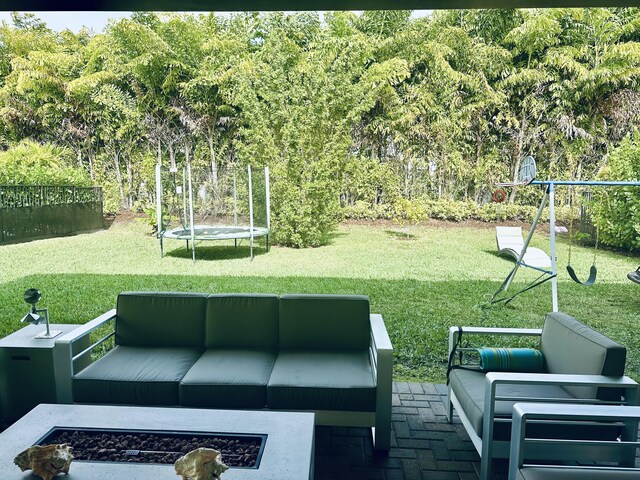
(159, 319)
(242, 321)
(324, 322)
(571, 347)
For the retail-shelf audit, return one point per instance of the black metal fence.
(29, 212)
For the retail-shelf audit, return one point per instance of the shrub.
(452, 210)
(30, 163)
(362, 210)
(305, 207)
(617, 210)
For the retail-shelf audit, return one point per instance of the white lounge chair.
(510, 242)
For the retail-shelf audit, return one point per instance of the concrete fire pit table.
(288, 451)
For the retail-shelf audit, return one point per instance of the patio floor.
(423, 445)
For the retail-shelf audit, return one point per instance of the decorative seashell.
(46, 461)
(201, 464)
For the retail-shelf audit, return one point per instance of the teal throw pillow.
(526, 360)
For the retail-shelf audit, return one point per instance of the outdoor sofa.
(321, 353)
(580, 366)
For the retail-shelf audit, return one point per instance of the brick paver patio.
(424, 446)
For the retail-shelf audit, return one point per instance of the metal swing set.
(527, 176)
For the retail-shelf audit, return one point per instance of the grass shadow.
(217, 252)
(400, 235)
(330, 237)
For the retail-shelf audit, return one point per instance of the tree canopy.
(371, 115)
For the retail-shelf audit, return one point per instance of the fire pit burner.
(152, 446)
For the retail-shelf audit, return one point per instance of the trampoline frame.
(192, 232)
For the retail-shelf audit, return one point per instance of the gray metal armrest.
(493, 379)
(480, 331)
(523, 412)
(64, 357)
(382, 362)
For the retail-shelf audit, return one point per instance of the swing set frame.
(549, 196)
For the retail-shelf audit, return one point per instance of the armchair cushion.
(469, 386)
(317, 380)
(225, 378)
(135, 376)
(570, 346)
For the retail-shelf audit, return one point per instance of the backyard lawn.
(442, 275)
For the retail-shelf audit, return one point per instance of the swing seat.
(511, 243)
(593, 272)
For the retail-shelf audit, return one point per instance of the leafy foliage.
(29, 163)
(618, 211)
(365, 116)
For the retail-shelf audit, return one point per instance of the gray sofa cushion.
(324, 322)
(570, 346)
(135, 375)
(228, 379)
(242, 321)
(321, 380)
(152, 319)
(542, 473)
(468, 387)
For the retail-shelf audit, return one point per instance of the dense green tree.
(377, 114)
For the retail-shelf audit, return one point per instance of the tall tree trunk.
(129, 168)
(116, 165)
(518, 154)
(172, 156)
(214, 165)
(90, 160)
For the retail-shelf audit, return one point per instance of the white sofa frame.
(380, 351)
(575, 450)
(488, 450)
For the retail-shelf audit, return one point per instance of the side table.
(26, 370)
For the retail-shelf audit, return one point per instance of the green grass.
(442, 275)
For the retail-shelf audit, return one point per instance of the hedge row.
(413, 211)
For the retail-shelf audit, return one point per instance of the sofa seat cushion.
(468, 387)
(320, 380)
(135, 375)
(223, 378)
(545, 473)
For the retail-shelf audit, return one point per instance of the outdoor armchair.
(577, 456)
(581, 366)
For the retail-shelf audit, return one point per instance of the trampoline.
(191, 232)
(217, 232)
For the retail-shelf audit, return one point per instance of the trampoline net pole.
(184, 198)
(250, 212)
(235, 198)
(191, 226)
(268, 197)
(159, 205)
